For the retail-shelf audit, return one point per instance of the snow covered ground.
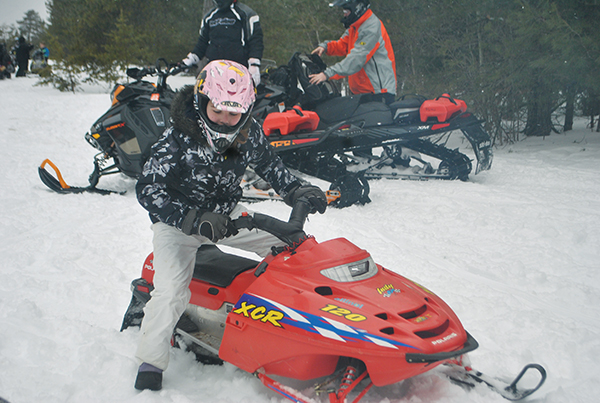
(515, 252)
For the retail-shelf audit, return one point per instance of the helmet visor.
(220, 137)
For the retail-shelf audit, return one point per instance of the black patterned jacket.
(183, 178)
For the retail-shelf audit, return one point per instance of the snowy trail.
(515, 252)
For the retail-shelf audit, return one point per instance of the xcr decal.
(260, 313)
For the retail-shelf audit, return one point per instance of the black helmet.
(223, 4)
(356, 7)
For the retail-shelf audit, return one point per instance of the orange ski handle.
(62, 182)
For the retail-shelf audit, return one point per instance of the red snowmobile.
(322, 311)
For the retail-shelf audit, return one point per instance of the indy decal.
(266, 311)
(388, 290)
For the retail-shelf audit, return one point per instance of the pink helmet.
(229, 86)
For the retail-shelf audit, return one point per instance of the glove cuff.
(289, 192)
(189, 225)
(253, 62)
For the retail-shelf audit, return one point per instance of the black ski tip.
(514, 393)
(49, 180)
(52, 183)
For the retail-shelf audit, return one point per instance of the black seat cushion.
(219, 268)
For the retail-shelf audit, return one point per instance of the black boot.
(148, 377)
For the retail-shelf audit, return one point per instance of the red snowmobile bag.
(442, 108)
(294, 120)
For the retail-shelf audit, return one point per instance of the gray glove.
(216, 226)
(191, 59)
(254, 70)
(312, 194)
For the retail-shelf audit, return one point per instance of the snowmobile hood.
(377, 317)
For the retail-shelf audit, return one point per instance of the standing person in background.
(22, 54)
(45, 52)
(230, 31)
(5, 62)
(369, 61)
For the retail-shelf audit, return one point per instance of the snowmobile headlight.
(354, 271)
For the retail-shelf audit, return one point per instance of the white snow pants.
(174, 261)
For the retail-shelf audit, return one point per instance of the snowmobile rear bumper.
(470, 345)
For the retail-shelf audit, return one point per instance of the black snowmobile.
(320, 133)
(138, 115)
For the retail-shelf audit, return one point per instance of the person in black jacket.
(4, 62)
(190, 186)
(230, 31)
(22, 55)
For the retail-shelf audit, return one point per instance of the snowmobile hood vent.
(355, 271)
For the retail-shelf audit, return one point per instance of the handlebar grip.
(290, 232)
(300, 212)
(245, 221)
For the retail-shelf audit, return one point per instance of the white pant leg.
(174, 260)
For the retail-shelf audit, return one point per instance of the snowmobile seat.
(301, 66)
(407, 109)
(219, 268)
(294, 120)
(442, 108)
(352, 110)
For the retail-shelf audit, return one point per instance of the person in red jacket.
(369, 61)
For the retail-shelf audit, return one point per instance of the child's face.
(220, 117)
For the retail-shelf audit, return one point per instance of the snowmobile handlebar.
(290, 232)
(162, 69)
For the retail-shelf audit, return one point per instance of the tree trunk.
(570, 108)
(539, 112)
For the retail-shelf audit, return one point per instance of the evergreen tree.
(94, 40)
(32, 27)
(291, 26)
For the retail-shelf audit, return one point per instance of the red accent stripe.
(304, 141)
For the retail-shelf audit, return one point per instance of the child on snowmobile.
(190, 187)
(369, 61)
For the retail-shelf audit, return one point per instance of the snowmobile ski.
(59, 185)
(464, 375)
